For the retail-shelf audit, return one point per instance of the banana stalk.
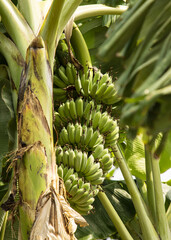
(21, 34)
(43, 211)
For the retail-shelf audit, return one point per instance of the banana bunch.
(89, 114)
(91, 84)
(104, 157)
(74, 111)
(86, 131)
(64, 82)
(83, 137)
(107, 127)
(97, 86)
(80, 193)
(86, 166)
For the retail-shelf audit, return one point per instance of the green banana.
(66, 158)
(90, 162)
(73, 111)
(108, 126)
(82, 79)
(78, 85)
(98, 151)
(105, 78)
(97, 76)
(67, 110)
(94, 138)
(87, 110)
(96, 120)
(84, 208)
(84, 199)
(84, 162)
(77, 195)
(88, 202)
(93, 169)
(58, 82)
(112, 136)
(60, 171)
(71, 158)
(89, 135)
(100, 91)
(103, 120)
(62, 113)
(74, 72)
(78, 160)
(68, 185)
(59, 155)
(70, 171)
(64, 135)
(78, 133)
(113, 99)
(71, 133)
(74, 189)
(69, 74)
(95, 176)
(62, 75)
(98, 181)
(74, 178)
(86, 88)
(109, 91)
(80, 183)
(79, 107)
(94, 89)
(104, 160)
(58, 121)
(58, 94)
(108, 165)
(86, 186)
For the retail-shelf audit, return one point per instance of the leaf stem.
(94, 10)
(80, 48)
(143, 189)
(31, 11)
(162, 223)
(122, 230)
(146, 225)
(50, 26)
(2, 233)
(150, 183)
(21, 34)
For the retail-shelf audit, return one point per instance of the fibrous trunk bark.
(43, 212)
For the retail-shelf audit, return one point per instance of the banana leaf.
(100, 225)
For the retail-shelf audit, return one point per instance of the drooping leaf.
(135, 157)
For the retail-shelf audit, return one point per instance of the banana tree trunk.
(43, 211)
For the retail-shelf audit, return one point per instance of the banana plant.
(28, 41)
(63, 132)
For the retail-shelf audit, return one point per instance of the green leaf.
(4, 119)
(12, 227)
(132, 21)
(100, 225)
(12, 127)
(21, 34)
(165, 158)
(135, 157)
